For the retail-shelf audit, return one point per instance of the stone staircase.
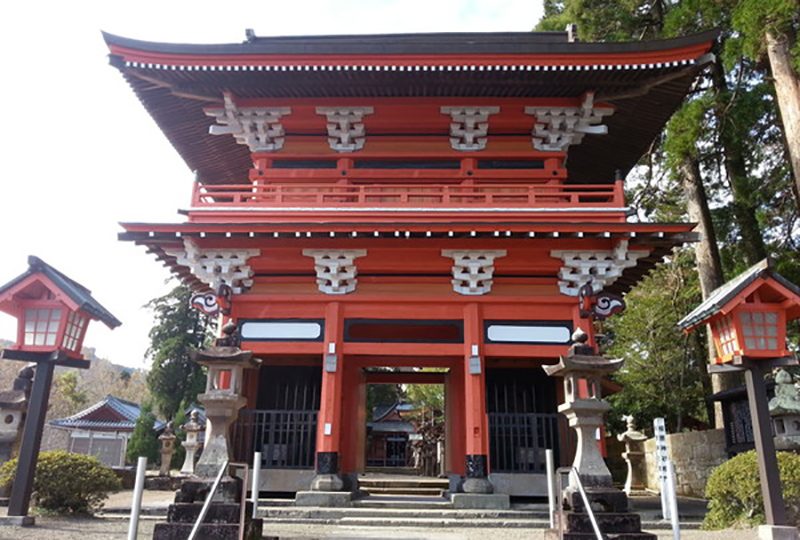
(401, 511)
(403, 485)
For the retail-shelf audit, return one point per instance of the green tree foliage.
(753, 18)
(144, 441)
(734, 491)
(66, 386)
(67, 483)
(180, 434)
(179, 329)
(663, 373)
(426, 396)
(382, 395)
(730, 129)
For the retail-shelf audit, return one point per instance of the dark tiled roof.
(77, 292)
(644, 97)
(426, 43)
(108, 414)
(727, 292)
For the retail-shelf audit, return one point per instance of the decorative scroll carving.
(557, 128)
(336, 269)
(217, 267)
(598, 268)
(473, 270)
(470, 126)
(257, 127)
(346, 133)
(205, 302)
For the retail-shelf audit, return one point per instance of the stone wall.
(694, 454)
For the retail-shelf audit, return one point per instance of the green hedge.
(734, 491)
(67, 483)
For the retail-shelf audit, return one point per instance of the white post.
(136, 504)
(551, 486)
(256, 482)
(660, 430)
(673, 501)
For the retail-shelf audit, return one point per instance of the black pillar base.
(477, 477)
(327, 477)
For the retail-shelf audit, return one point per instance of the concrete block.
(323, 498)
(777, 532)
(491, 501)
(18, 521)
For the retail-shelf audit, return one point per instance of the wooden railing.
(302, 195)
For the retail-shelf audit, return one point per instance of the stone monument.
(582, 370)
(167, 440)
(633, 455)
(192, 429)
(784, 409)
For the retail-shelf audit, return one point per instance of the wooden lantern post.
(52, 313)
(747, 319)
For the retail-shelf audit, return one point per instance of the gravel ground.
(51, 528)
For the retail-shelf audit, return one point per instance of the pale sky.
(79, 154)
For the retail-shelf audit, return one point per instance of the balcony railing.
(321, 195)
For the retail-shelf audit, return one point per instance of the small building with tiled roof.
(103, 430)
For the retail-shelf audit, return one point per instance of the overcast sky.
(79, 154)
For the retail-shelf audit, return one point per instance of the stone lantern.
(13, 404)
(582, 370)
(784, 409)
(192, 428)
(222, 401)
(633, 454)
(167, 440)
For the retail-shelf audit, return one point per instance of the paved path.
(51, 528)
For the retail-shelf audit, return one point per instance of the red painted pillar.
(476, 419)
(329, 420)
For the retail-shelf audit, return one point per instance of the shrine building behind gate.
(450, 201)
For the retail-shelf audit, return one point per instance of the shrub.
(734, 491)
(67, 483)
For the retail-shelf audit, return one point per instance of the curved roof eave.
(432, 43)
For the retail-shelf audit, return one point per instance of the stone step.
(402, 501)
(401, 490)
(610, 536)
(380, 482)
(217, 512)
(427, 522)
(326, 513)
(180, 531)
(608, 522)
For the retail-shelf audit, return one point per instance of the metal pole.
(136, 504)
(774, 508)
(673, 501)
(551, 486)
(207, 502)
(585, 499)
(256, 482)
(31, 438)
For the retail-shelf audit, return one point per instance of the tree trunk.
(787, 89)
(744, 206)
(706, 250)
(709, 267)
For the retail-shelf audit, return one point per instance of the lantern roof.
(723, 299)
(76, 292)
